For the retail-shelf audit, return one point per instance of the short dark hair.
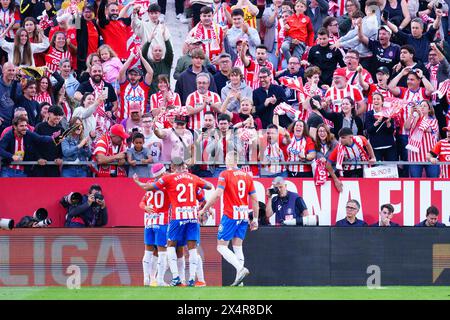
(357, 14)
(206, 10)
(345, 132)
(288, 3)
(19, 119)
(327, 21)
(138, 135)
(154, 7)
(408, 48)
(354, 52)
(222, 117)
(237, 12)
(265, 70)
(209, 112)
(355, 202)
(272, 126)
(388, 206)
(432, 210)
(95, 187)
(322, 31)
(261, 46)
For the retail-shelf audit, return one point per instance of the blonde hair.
(112, 54)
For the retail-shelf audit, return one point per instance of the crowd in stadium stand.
(319, 84)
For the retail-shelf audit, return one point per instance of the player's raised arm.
(145, 186)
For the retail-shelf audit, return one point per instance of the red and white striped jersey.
(43, 97)
(7, 17)
(442, 149)
(409, 96)
(429, 140)
(251, 73)
(376, 88)
(53, 57)
(219, 14)
(355, 152)
(273, 154)
(157, 100)
(239, 64)
(159, 200)
(298, 149)
(337, 95)
(194, 100)
(67, 110)
(129, 94)
(182, 190)
(237, 186)
(19, 150)
(352, 79)
(212, 39)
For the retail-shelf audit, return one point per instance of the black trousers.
(163, 4)
(179, 6)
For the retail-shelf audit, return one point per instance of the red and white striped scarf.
(219, 15)
(343, 152)
(321, 173)
(19, 150)
(98, 90)
(43, 97)
(210, 38)
(416, 135)
(106, 142)
(67, 110)
(433, 74)
(53, 57)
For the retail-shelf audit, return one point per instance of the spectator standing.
(317, 10)
(234, 91)
(86, 111)
(271, 21)
(185, 61)
(76, 147)
(110, 153)
(88, 36)
(441, 152)
(58, 50)
(51, 127)
(252, 67)
(397, 11)
(240, 30)
(221, 78)
(138, 154)
(70, 82)
(34, 8)
(26, 100)
(347, 118)
(7, 94)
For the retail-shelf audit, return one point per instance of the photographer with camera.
(38, 220)
(288, 207)
(85, 211)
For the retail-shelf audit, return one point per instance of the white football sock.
(162, 265)
(200, 274)
(181, 262)
(239, 254)
(147, 263)
(193, 255)
(154, 268)
(172, 257)
(229, 256)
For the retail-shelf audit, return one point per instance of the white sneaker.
(240, 276)
(183, 19)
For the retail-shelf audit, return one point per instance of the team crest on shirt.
(220, 228)
(287, 92)
(329, 55)
(303, 20)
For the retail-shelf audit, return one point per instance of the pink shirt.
(111, 69)
(173, 147)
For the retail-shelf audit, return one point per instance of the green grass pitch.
(225, 293)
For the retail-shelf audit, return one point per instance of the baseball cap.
(56, 110)
(158, 169)
(241, 39)
(118, 130)
(384, 70)
(135, 107)
(340, 72)
(385, 27)
(135, 69)
(181, 119)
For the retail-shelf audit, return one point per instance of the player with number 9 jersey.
(237, 185)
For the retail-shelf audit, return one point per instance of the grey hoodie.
(234, 104)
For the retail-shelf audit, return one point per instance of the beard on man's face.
(113, 16)
(97, 78)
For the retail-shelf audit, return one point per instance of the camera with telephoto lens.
(312, 220)
(6, 224)
(273, 191)
(73, 198)
(41, 215)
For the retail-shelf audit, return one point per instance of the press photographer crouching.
(39, 219)
(85, 211)
(288, 207)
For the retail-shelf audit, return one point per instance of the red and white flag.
(294, 84)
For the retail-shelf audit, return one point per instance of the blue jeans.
(402, 142)
(12, 173)
(74, 172)
(299, 49)
(416, 170)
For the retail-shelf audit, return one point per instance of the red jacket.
(301, 28)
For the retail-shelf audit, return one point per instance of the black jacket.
(338, 119)
(91, 215)
(266, 113)
(82, 40)
(327, 60)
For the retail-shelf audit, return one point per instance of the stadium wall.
(410, 197)
(324, 256)
(106, 257)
